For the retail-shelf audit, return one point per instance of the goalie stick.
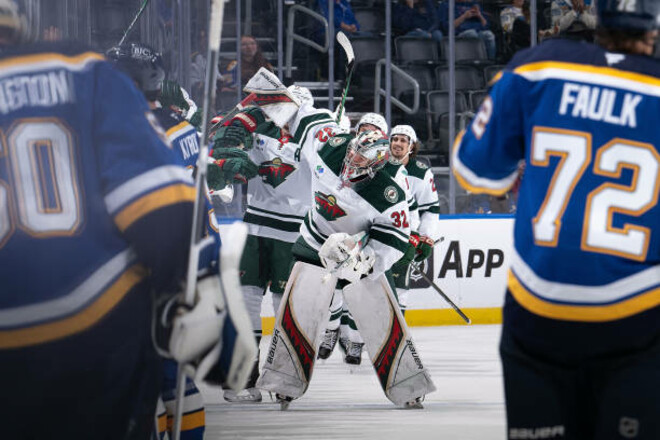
(343, 41)
(135, 19)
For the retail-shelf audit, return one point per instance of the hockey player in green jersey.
(404, 147)
(278, 197)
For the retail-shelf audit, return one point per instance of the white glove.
(357, 267)
(196, 331)
(338, 250)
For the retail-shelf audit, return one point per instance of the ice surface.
(340, 404)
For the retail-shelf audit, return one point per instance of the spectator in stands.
(574, 16)
(416, 18)
(343, 16)
(469, 22)
(515, 22)
(252, 59)
(511, 13)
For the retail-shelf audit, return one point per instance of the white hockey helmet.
(344, 124)
(409, 132)
(373, 119)
(365, 155)
(302, 94)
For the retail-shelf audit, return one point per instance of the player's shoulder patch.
(421, 165)
(337, 141)
(391, 194)
(382, 192)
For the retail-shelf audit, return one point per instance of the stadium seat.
(370, 19)
(414, 50)
(467, 78)
(475, 97)
(491, 71)
(467, 51)
(437, 104)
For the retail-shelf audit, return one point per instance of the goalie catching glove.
(343, 255)
(229, 165)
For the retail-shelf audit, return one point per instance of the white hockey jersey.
(280, 196)
(422, 187)
(379, 208)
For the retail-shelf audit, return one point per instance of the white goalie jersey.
(379, 208)
(279, 197)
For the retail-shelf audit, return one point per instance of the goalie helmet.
(373, 119)
(639, 15)
(143, 64)
(302, 94)
(409, 132)
(365, 155)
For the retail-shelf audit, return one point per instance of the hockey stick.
(343, 41)
(215, 31)
(444, 296)
(135, 19)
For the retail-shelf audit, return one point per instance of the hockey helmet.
(640, 15)
(365, 155)
(409, 132)
(142, 63)
(373, 119)
(302, 94)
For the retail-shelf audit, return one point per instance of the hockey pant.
(299, 324)
(388, 341)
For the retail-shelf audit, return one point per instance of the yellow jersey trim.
(582, 313)
(169, 195)
(79, 322)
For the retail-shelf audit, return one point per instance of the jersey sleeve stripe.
(169, 195)
(275, 214)
(583, 313)
(80, 321)
(473, 183)
(179, 130)
(388, 239)
(145, 182)
(48, 61)
(274, 223)
(391, 230)
(605, 76)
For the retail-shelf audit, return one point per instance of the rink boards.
(469, 264)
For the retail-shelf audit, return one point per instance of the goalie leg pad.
(388, 341)
(299, 324)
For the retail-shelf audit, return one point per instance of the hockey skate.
(283, 400)
(354, 353)
(248, 395)
(414, 404)
(328, 344)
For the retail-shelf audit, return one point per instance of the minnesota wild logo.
(274, 172)
(326, 205)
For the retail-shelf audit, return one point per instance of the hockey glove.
(409, 255)
(172, 96)
(235, 164)
(341, 254)
(424, 249)
(229, 136)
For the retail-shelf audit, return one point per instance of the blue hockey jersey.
(584, 124)
(91, 195)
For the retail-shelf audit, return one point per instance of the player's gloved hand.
(234, 164)
(424, 248)
(409, 255)
(228, 136)
(341, 254)
(171, 95)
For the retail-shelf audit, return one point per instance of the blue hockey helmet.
(142, 63)
(640, 15)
